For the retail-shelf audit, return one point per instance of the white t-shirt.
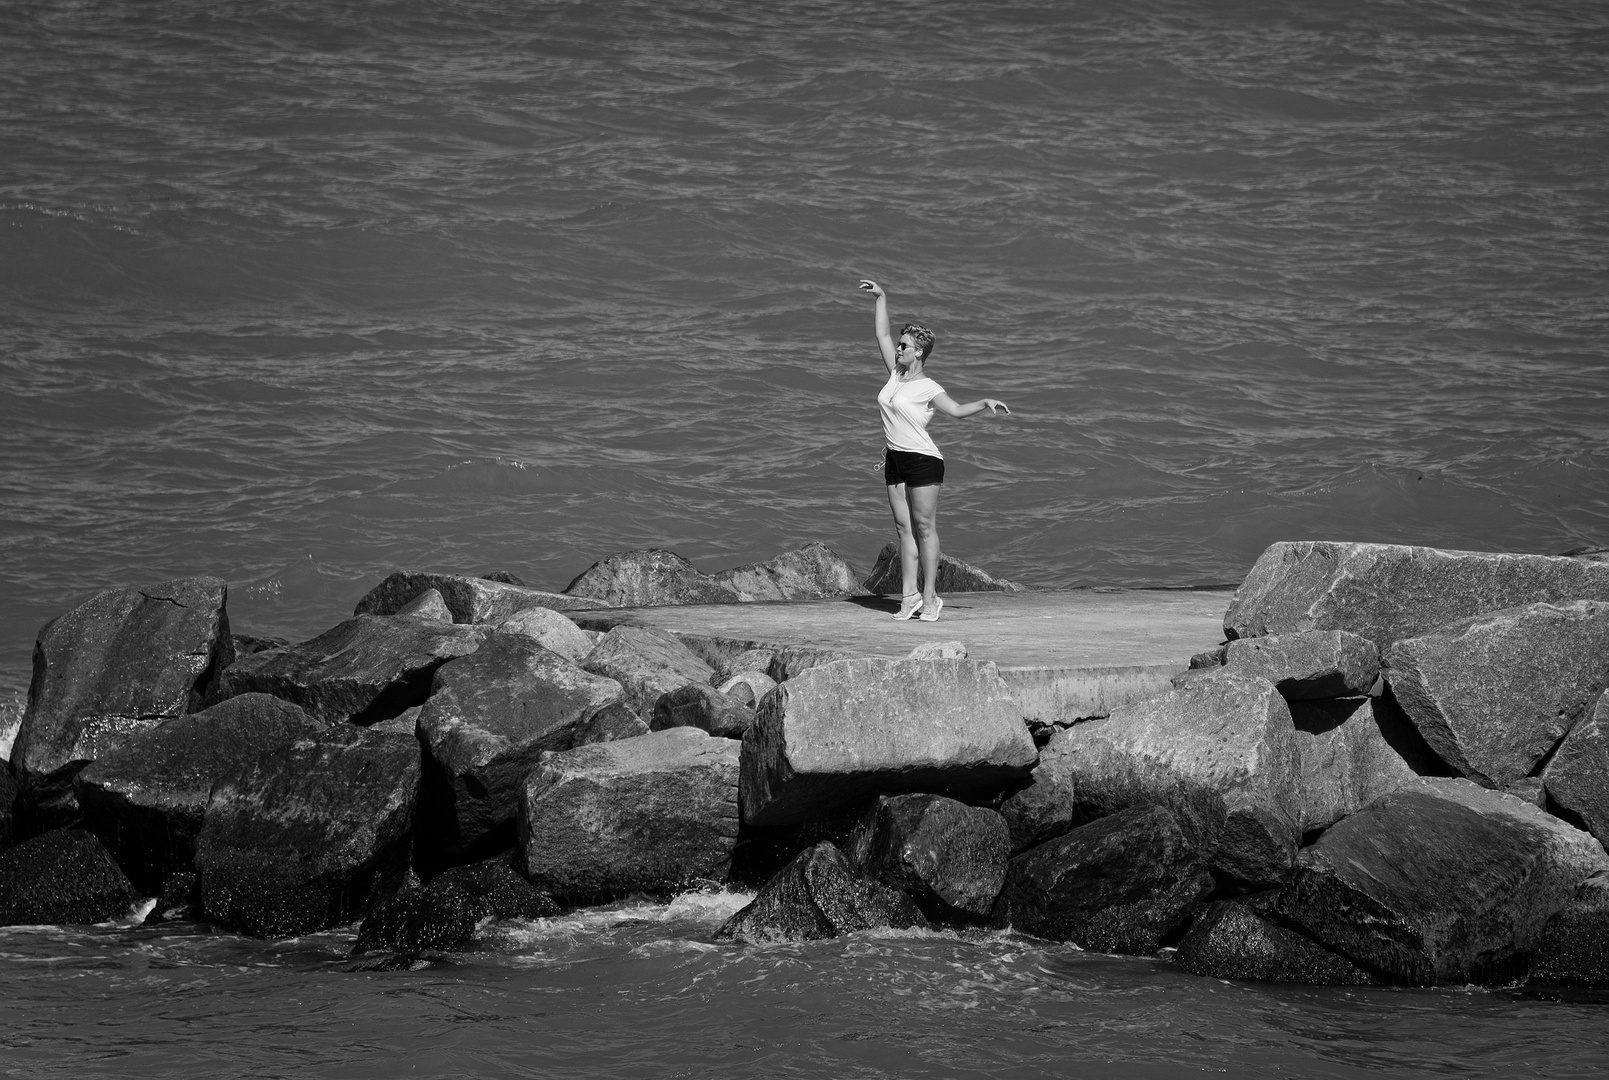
(906, 409)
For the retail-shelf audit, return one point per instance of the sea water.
(297, 293)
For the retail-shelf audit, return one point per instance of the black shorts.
(912, 470)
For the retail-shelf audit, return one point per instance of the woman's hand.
(994, 404)
(868, 285)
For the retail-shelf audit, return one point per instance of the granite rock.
(650, 814)
(551, 630)
(470, 599)
(429, 606)
(1232, 941)
(954, 576)
(61, 877)
(647, 663)
(1347, 756)
(1041, 808)
(444, 913)
(951, 858)
(1493, 694)
(649, 578)
(820, 895)
(746, 687)
(704, 707)
(1311, 665)
(1577, 778)
(813, 572)
(834, 734)
(1574, 947)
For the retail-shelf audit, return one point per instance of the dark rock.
(1211, 658)
(470, 599)
(954, 576)
(505, 578)
(1574, 947)
(1494, 693)
(1386, 592)
(704, 707)
(950, 857)
(1231, 941)
(445, 913)
(1121, 884)
(1043, 808)
(619, 721)
(125, 659)
(245, 644)
(747, 688)
(551, 630)
(498, 891)
(490, 717)
(1221, 752)
(1347, 761)
(1531, 789)
(651, 578)
(647, 663)
(1590, 552)
(820, 895)
(1577, 779)
(1442, 882)
(309, 835)
(837, 733)
(427, 605)
(146, 794)
(1304, 667)
(650, 814)
(813, 572)
(59, 877)
(365, 670)
(8, 795)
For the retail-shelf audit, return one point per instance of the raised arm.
(947, 405)
(885, 340)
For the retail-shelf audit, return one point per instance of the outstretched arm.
(885, 340)
(947, 405)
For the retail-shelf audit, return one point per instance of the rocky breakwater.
(1394, 771)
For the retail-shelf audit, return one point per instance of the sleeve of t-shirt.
(927, 391)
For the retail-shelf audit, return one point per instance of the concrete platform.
(1065, 654)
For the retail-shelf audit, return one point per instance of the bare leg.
(897, 503)
(924, 510)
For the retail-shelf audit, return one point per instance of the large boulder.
(954, 576)
(470, 599)
(365, 670)
(1220, 751)
(444, 913)
(307, 836)
(145, 796)
(650, 578)
(551, 630)
(490, 717)
(8, 796)
(1231, 940)
(820, 895)
(647, 663)
(837, 733)
(1043, 807)
(59, 877)
(1121, 884)
(704, 707)
(1440, 882)
(1386, 592)
(1574, 948)
(650, 814)
(124, 659)
(1349, 756)
(1303, 667)
(948, 856)
(1577, 779)
(1492, 694)
(813, 572)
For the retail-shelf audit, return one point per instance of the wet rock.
(948, 856)
(939, 650)
(702, 706)
(1494, 693)
(1231, 941)
(124, 659)
(365, 670)
(470, 599)
(1043, 808)
(1121, 884)
(1304, 667)
(146, 794)
(649, 814)
(1347, 760)
(954, 576)
(1574, 947)
(1386, 592)
(1577, 779)
(8, 795)
(647, 663)
(820, 895)
(309, 835)
(813, 572)
(445, 913)
(1442, 882)
(551, 630)
(837, 733)
(747, 688)
(649, 578)
(62, 877)
(490, 717)
(1221, 752)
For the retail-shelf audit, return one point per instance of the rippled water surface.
(296, 293)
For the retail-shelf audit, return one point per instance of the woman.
(913, 468)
